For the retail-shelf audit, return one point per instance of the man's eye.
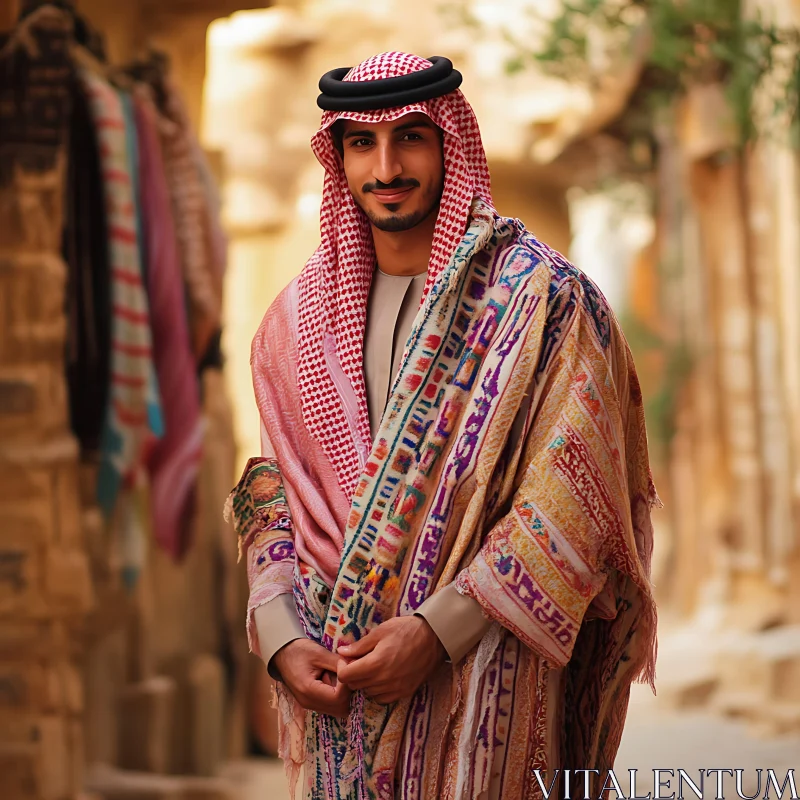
(413, 136)
(357, 142)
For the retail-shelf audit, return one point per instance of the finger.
(361, 647)
(325, 660)
(343, 662)
(341, 710)
(364, 670)
(329, 679)
(319, 692)
(342, 692)
(329, 700)
(368, 683)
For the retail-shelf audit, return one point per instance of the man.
(448, 533)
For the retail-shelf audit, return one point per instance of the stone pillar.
(45, 588)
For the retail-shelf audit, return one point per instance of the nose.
(387, 165)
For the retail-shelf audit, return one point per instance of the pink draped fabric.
(319, 507)
(173, 461)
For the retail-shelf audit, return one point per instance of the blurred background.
(653, 141)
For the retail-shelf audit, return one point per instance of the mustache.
(399, 183)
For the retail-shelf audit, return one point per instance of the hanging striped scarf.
(133, 412)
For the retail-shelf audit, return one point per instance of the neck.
(405, 252)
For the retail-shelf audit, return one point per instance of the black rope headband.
(340, 95)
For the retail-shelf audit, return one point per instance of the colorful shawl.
(133, 412)
(173, 461)
(550, 534)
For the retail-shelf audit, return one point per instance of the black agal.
(338, 95)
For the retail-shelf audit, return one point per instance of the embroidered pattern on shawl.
(257, 506)
(259, 503)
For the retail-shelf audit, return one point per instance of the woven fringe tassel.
(291, 735)
(352, 767)
(466, 742)
(647, 671)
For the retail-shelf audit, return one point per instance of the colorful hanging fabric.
(133, 411)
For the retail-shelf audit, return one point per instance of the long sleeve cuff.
(277, 624)
(457, 620)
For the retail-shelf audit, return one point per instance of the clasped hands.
(390, 663)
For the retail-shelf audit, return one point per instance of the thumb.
(359, 648)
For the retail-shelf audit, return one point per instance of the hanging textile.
(200, 247)
(173, 461)
(88, 289)
(133, 411)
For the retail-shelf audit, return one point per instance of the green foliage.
(690, 42)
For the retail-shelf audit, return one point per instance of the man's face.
(395, 170)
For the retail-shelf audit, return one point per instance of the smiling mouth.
(394, 196)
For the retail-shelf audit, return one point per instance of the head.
(394, 169)
(383, 174)
(400, 147)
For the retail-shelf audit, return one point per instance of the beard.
(394, 222)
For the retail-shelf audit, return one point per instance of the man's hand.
(392, 661)
(309, 672)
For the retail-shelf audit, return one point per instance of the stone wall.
(728, 468)
(91, 673)
(45, 590)
(735, 460)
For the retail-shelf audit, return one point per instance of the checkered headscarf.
(334, 284)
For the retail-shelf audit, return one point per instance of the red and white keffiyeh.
(334, 285)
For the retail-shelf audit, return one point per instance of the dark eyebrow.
(357, 134)
(406, 126)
